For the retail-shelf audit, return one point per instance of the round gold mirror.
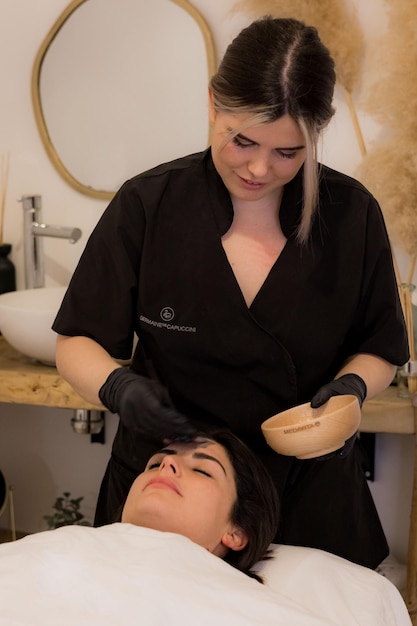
(119, 86)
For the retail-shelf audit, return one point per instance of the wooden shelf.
(387, 413)
(24, 381)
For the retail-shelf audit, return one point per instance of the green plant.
(67, 512)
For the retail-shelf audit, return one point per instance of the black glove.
(348, 384)
(144, 405)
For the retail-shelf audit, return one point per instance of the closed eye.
(156, 459)
(154, 465)
(287, 155)
(242, 143)
(200, 471)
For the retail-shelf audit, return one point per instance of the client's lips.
(163, 483)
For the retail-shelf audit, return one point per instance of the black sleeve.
(379, 326)
(100, 302)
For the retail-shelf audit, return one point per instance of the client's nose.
(170, 465)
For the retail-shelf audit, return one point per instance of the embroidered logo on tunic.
(165, 324)
(167, 314)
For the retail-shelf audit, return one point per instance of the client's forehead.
(181, 447)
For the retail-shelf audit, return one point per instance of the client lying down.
(211, 498)
(213, 491)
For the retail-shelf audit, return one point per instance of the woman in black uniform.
(256, 279)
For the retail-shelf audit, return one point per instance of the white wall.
(39, 453)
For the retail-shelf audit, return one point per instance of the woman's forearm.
(84, 364)
(376, 372)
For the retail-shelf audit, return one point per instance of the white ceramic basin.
(26, 318)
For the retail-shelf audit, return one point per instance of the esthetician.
(255, 279)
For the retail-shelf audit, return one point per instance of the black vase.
(7, 269)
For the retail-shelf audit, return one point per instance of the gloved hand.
(144, 405)
(348, 384)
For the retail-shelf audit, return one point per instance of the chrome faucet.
(34, 230)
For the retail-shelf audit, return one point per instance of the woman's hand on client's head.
(144, 405)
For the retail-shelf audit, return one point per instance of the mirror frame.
(36, 96)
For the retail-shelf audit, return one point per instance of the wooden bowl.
(306, 433)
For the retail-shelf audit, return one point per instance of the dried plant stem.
(4, 174)
(412, 383)
(405, 290)
(412, 268)
(355, 121)
(409, 321)
(399, 282)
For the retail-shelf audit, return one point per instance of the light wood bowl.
(306, 433)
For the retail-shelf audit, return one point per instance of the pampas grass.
(390, 168)
(339, 29)
(392, 98)
(390, 171)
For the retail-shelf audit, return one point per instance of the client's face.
(189, 489)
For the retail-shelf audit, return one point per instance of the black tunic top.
(155, 265)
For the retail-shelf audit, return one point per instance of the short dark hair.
(256, 509)
(274, 67)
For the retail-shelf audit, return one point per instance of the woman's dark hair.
(276, 67)
(256, 510)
